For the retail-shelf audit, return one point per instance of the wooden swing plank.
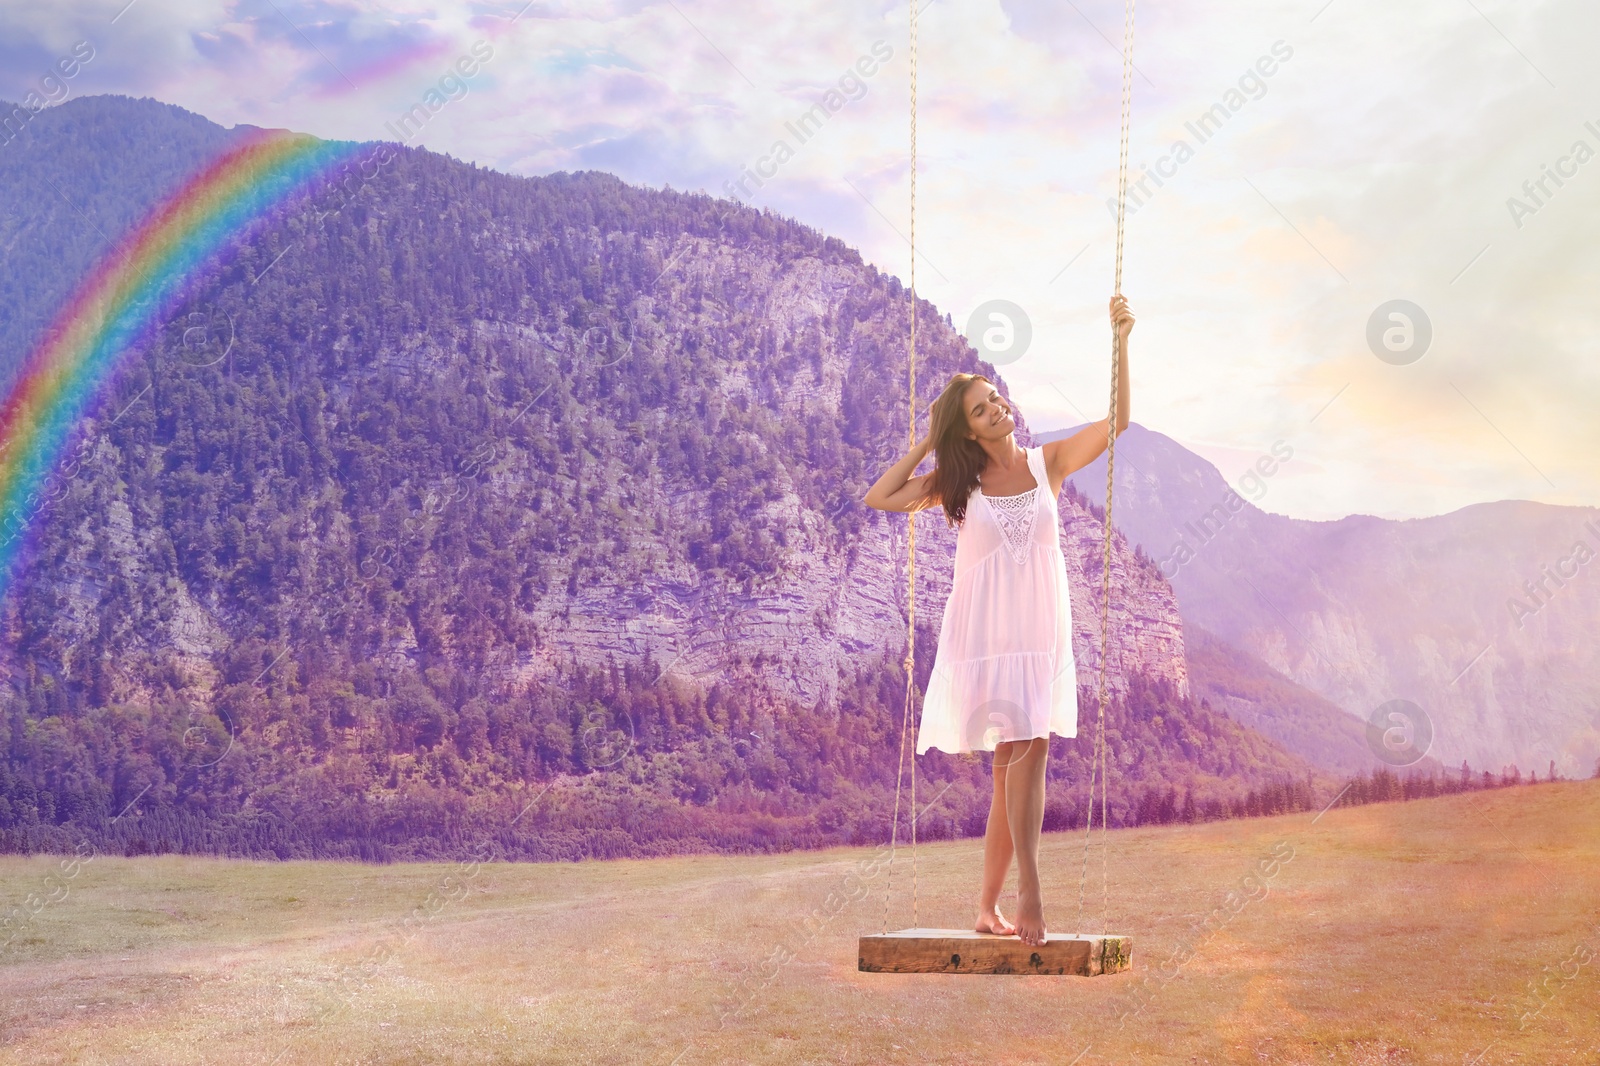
(968, 951)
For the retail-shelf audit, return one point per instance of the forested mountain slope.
(472, 490)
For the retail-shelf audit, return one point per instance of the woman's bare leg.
(997, 851)
(1025, 814)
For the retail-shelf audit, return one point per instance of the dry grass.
(1396, 934)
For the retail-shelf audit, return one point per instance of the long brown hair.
(957, 457)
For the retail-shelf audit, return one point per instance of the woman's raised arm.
(1070, 454)
(897, 490)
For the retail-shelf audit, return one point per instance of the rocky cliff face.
(514, 424)
(841, 605)
(840, 598)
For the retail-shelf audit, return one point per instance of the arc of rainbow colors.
(128, 291)
(383, 66)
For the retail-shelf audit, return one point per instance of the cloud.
(1374, 164)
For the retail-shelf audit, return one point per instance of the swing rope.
(1099, 759)
(911, 543)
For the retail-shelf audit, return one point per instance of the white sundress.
(1004, 669)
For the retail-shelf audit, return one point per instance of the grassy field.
(1459, 930)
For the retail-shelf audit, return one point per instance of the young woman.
(1004, 677)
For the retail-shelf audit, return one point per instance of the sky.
(1355, 249)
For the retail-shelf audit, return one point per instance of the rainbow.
(383, 66)
(128, 293)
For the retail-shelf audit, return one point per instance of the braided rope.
(1099, 759)
(1099, 762)
(910, 662)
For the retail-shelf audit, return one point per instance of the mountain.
(481, 505)
(1483, 617)
(63, 206)
(1252, 693)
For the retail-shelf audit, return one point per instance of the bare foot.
(994, 922)
(1030, 919)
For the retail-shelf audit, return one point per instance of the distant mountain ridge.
(1364, 610)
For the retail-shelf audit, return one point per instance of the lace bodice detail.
(1015, 515)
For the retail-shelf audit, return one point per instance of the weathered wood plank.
(967, 951)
